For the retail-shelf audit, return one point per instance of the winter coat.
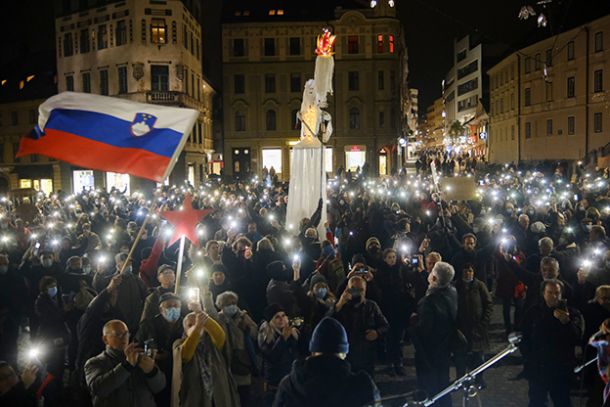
(325, 381)
(548, 345)
(475, 307)
(395, 303)
(279, 292)
(113, 382)
(131, 295)
(278, 353)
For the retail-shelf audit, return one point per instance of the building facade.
(434, 124)
(141, 50)
(551, 100)
(268, 57)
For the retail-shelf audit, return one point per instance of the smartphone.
(362, 270)
(563, 305)
(149, 345)
(415, 260)
(37, 245)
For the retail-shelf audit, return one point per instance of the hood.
(314, 378)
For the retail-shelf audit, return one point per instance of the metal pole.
(179, 266)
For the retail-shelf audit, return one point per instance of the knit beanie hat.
(315, 279)
(168, 296)
(271, 310)
(329, 336)
(277, 270)
(370, 241)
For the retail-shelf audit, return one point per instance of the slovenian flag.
(110, 134)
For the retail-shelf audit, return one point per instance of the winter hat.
(271, 310)
(168, 296)
(370, 241)
(164, 267)
(329, 336)
(358, 258)
(315, 279)
(277, 270)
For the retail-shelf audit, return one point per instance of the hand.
(604, 328)
(28, 376)
(132, 354)
(248, 253)
(296, 271)
(371, 335)
(287, 331)
(344, 299)
(200, 319)
(562, 316)
(114, 283)
(194, 306)
(582, 276)
(147, 363)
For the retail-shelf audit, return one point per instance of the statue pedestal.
(307, 179)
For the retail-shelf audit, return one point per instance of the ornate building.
(268, 54)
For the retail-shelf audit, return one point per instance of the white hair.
(224, 297)
(444, 273)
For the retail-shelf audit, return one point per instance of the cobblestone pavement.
(502, 389)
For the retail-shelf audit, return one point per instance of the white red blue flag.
(110, 134)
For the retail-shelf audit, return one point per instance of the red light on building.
(391, 44)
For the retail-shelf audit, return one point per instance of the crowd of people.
(274, 314)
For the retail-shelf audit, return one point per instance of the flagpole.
(137, 239)
(179, 266)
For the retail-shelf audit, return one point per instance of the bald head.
(115, 334)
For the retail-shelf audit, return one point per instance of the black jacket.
(548, 345)
(324, 381)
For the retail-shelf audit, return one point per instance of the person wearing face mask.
(13, 307)
(160, 332)
(314, 303)
(198, 378)
(373, 252)
(166, 276)
(52, 332)
(122, 375)
(364, 322)
(131, 293)
(89, 240)
(475, 307)
(241, 332)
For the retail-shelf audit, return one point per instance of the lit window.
(158, 31)
(280, 12)
(380, 43)
(391, 44)
(271, 12)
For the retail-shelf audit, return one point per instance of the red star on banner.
(185, 220)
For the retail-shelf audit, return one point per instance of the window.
(468, 69)
(14, 118)
(598, 81)
(549, 57)
(70, 83)
(272, 157)
(528, 130)
(381, 120)
(570, 50)
(380, 80)
(68, 45)
(85, 44)
(122, 79)
(86, 82)
(599, 41)
(185, 35)
(239, 47)
(295, 82)
(270, 117)
(548, 90)
(537, 62)
(269, 83)
(549, 127)
(352, 44)
(159, 76)
(352, 80)
(269, 47)
(571, 125)
(240, 121)
(120, 33)
(528, 64)
(571, 87)
(102, 37)
(104, 82)
(239, 84)
(391, 43)
(528, 96)
(354, 118)
(512, 133)
(512, 101)
(461, 56)
(380, 44)
(597, 122)
(294, 46)
(158, 31)
(468, 86)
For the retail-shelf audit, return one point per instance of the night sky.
(430, 27)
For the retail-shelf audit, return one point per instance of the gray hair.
(546, 244)
(264, 244)
(444, 273)
(224, 297)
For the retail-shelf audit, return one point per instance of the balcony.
(172, 98)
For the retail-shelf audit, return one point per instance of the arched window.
(240, 121)
(270, 119)
(354, 118)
